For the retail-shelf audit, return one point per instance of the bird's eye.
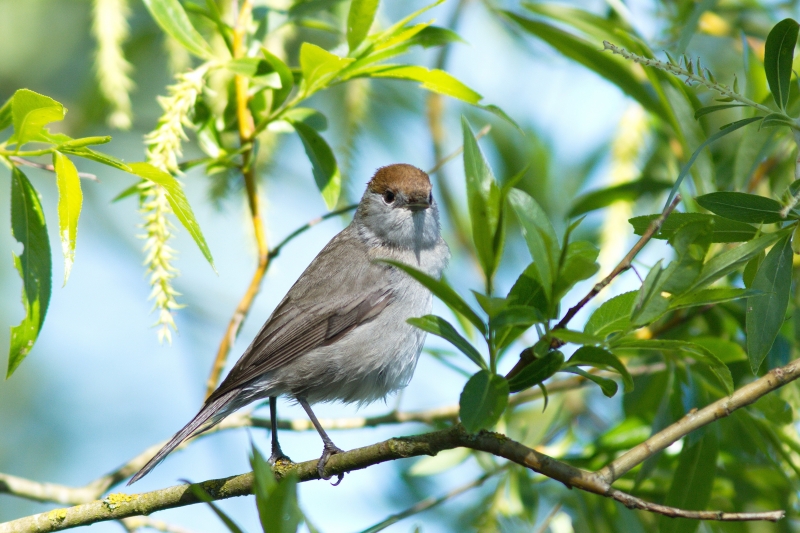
(388, 197)
(430, 198)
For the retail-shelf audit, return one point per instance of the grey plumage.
(340, 333)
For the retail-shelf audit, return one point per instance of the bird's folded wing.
(294, 330)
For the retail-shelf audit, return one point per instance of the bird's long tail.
(211, 414)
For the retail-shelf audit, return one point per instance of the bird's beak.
(418, 203)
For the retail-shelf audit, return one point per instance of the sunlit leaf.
(539, 235)
(177, 201)
(70, 199)
(434, 80)
(171, 17)
(359, 21)
(31, 112)
(778, 55)
(33, 264)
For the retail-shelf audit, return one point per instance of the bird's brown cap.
(407, 179)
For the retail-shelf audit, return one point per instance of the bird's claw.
(278, 457)
(327, 452)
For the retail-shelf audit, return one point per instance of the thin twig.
(549, 518)
(117, 506)
(623, 265)
(429, 503)
(458, 151)
(27, 162)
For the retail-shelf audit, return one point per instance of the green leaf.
(171, 17)
(699, 353)
(575, 337)
(766, 312)
(691, 244)
(608, 386)
(517, 315)
(319, 66)
(277, 504)
(727, 351)
(692, 482)
(723, 230)
(323, 163)
(722, 133)
(742, 207)
(33, 264)
(630, 191)
(774, 120)
(70, 199)
(177, 201)
(287, 80)
(527, 291)
(709, 297)
(359, 21)
(259, 70)
(485, 203)
(434, 80)
(483, 401)
(442, 328)
(308, 116)
(602, 359)
(580, 263)
(443, 291)
(613, 316)
(538, 370)
(399, 27)
(703, 111)
(539, 236)
(31, 112)
(94, 155)
(778, 56)
(730, 260)
(650, 305)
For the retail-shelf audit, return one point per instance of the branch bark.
(118, 506)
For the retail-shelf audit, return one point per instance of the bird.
(340, 333)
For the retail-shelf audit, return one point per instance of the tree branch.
(118, 506)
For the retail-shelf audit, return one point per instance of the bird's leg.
(277, 454)
(329, 447)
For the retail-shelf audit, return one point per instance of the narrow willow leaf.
(319, 66)
(33, 264)
(483, 400)
(766, 312)
(171, 17)
(5, 114)
(323, 163)
(539, 235)
(575, 337)
(434, 80)
(287, 80)
(444, 292)
(31, 112)
(722, 133)
(608, 386)
(70, 200)
(200, 493)
(742, 207)
(177, 201)
(778, 56)
(777, 119)
(94, 155)
(728, 261)
(613, 316)
(630, 191)
(442, 328)
(723, 229)
(359, 21)
(602, 359)
(692, 482)
(703, 111)
(710, 297)
(484, 201)
(538, 370)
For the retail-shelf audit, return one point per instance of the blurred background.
(98, 388)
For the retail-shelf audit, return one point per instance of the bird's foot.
(278, 458)
(329, 450)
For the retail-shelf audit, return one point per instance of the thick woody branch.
(118, 506)
(51, 492)
(772, 380)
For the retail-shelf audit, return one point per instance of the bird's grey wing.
(325, 304)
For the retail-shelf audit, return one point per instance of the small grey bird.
(340, 333)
